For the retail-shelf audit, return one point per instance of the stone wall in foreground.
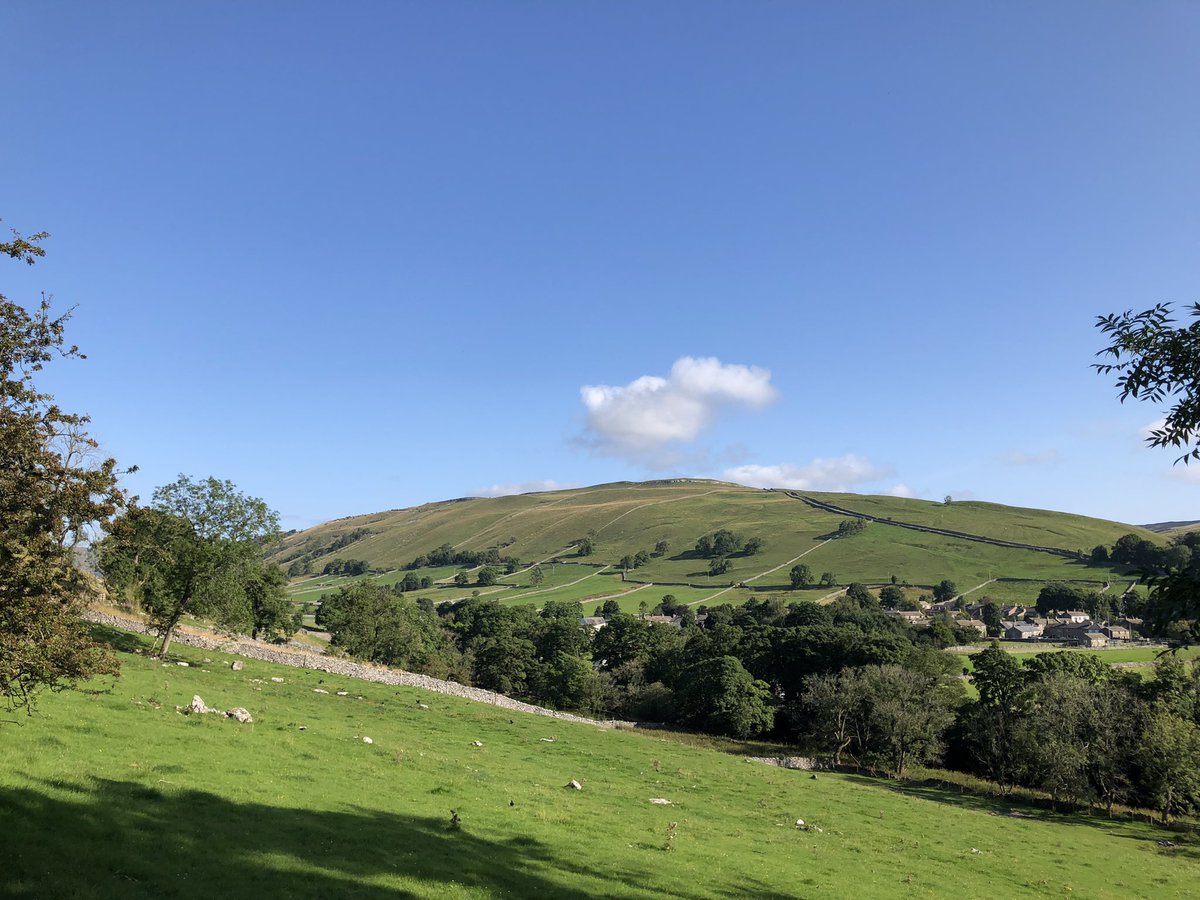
(344, 667)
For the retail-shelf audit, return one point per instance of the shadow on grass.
(113, 838)
(1183, 844)
(123, 641)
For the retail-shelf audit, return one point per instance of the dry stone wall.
(335, 666)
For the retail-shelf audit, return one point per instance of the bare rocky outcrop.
(335, 666)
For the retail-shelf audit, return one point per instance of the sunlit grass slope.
(624, 518)
(116, 795)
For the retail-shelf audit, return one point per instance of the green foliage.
(890, 596)
(370, 622)
(851, 527)
(718, 566)
(1170, 752)
(486, 576)
(800, 575)
(195, 551)
(719, 696)
(944, 590)
(887, 715)
(1155, 360)
(51, 491)
(536, 576)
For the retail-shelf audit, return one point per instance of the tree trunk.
(170, 631)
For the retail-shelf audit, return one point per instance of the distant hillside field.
(116, 795)
(624, 518)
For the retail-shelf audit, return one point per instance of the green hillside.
(624, 518)
(298, 805)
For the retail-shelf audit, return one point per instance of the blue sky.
(413, 251)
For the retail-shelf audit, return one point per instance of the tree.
(585, 546)
(1170, 755)
(1154, 361)
(858, 593)
(196, 550)
(662, 548)
(831, 707)
(944, 590)
(991, 723)
(487, 576)
(828, 579)
(890, 596)
(719, 566)
(851, 527)
(910, 712)
(801, 575)
(753, 546)
(719, 696)
(536, 576)
(52, 490)
(461, 578)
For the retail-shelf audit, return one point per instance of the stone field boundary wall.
(320, 663)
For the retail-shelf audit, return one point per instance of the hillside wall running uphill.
(929, 529)
(319, 663)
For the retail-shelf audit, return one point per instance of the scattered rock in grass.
(800, 823)
(1166, 843)
(241, 715)
(974, 850)
(236, 665)
(476, 743)
(182, 663)
(320, 691)
(303, 728)
(198, 706)
(660, 801)
(548, 740)
(367, 740)
(277, 679)
(206, 659)
(342, 693)
(573, 785)
(421, 705)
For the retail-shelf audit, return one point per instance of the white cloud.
(1147, 431)
(1041, 457)
(1190, 474)
(638, 420)
(523, 487)
(900, 490)
(838, 473)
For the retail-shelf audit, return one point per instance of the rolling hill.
(916, 541)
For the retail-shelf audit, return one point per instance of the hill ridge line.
(929, 529)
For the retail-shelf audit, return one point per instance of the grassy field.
(625, 518)
(116, 795)
(1107, 654)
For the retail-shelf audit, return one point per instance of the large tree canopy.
(197, 550)
(52, 488)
